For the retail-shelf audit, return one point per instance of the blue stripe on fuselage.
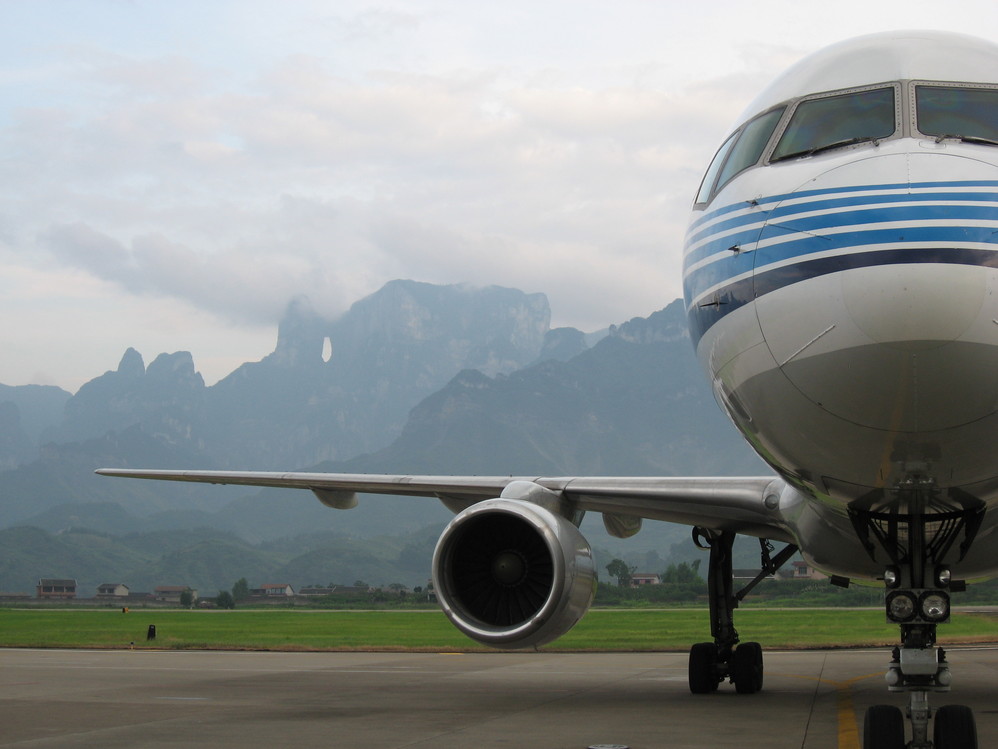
(735, 295)
(903, 187)
(751, 222)
(736, 264)
(742, 273)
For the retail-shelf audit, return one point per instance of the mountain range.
(415, 378)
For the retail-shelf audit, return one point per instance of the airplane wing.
(720, 503)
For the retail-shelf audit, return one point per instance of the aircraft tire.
(746, 668)
(703, 668)
(954, 728)
(883, 728)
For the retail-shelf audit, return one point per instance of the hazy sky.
(173, 173)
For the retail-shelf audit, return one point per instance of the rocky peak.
(173, 369)
(300, 336)
(494, 329)
(131, 365)
(665, 326)
(562, 344)
(133, 394)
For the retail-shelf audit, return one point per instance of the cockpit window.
(750, 145)
(715, 166)
(834, 121)
(739, 152)
(961, 112)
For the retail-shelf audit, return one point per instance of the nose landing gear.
(917, 666)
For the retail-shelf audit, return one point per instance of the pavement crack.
(814, 702)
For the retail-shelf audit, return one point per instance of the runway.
(811, 700)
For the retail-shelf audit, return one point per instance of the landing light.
(900, 606)
(934, 605)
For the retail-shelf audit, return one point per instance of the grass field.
(615, 630)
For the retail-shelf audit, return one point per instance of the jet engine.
(512, 574)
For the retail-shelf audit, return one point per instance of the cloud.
(373, 24)
(236, 201)
(241, 286)
(249, 152)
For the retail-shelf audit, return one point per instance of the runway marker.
(848, 730)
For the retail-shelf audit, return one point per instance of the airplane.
(842, 295)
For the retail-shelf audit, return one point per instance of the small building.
(172, 593)
(112, 590)
(645, 578)
(803, 571)
(51, 588)
(271, 590)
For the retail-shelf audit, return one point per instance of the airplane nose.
(908, 304)
(914, 307)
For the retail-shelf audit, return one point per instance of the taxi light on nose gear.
(892, 577)
(934, 605)
(901, 606)
(943, 577)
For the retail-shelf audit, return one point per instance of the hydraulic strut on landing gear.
(918, 587)
(724, 658)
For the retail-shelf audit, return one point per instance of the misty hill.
(27, 415)
(167, 399)
(388, 352)
(205, 559)
(634, 404)
(63, 475)
(289, 410)
(293, 408)
(426, 379)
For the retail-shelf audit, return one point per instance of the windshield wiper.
(967, 139)
(827, 147)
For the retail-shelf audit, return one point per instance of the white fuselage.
(843, 294)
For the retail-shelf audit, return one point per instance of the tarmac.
(810, 700)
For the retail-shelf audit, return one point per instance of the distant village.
(65, 590)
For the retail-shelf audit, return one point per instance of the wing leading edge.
(748, 505)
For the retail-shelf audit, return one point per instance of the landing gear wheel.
(703, 668)
(746, 668)
(883, 728)
(955, 728)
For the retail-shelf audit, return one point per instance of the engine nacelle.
(512, 574)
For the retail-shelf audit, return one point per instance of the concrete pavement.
(811, 700)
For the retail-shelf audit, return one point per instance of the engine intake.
(512, 574)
